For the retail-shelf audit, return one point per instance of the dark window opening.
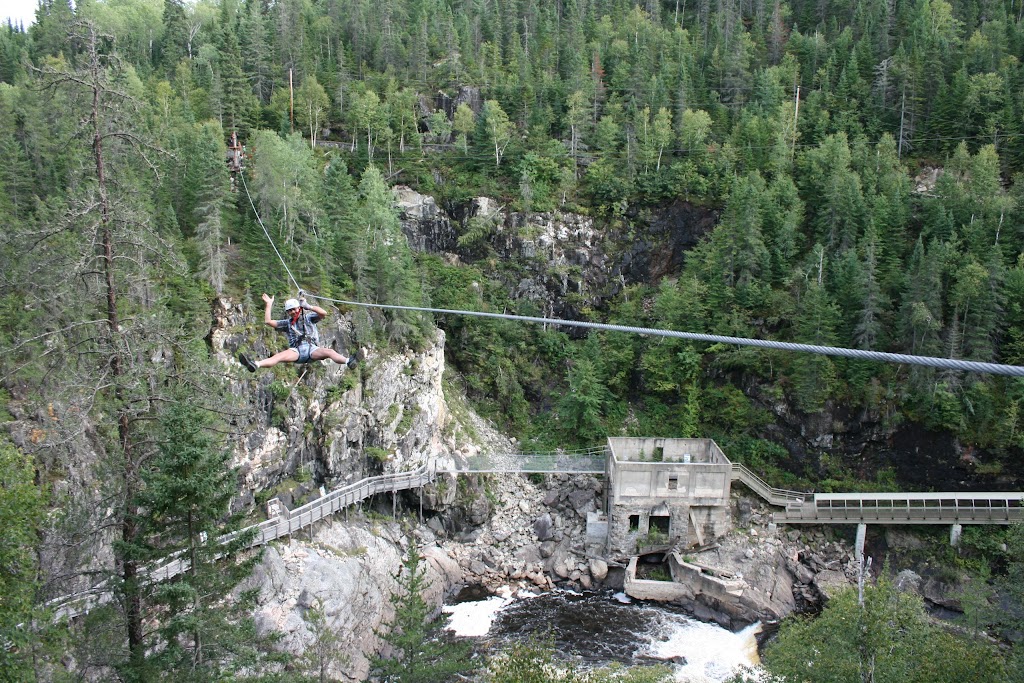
(660, 523)
(673, 482)
(634, 522)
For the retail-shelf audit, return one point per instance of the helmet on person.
(290, 304)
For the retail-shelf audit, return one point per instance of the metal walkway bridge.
(589, 461)
(798, 507)
(885, 508)
(287, 522)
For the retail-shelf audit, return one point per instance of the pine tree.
(202, 634)
(238, 103)
(817, 317)
(175, 40)
(581, 409)
(211, 202)
(412, 655)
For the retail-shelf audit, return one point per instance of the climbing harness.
(857, 354)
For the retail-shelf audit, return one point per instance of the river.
(604, 627)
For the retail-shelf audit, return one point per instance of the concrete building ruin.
(664, 492)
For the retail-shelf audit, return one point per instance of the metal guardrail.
(290, 521)
(907, 508)
(588, 461)
(780, 497)
(885, 508)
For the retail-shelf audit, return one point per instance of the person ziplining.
(303, 337)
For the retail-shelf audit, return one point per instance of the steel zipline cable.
(857, 354)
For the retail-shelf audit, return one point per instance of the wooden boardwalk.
(285, 524)
(798, 507)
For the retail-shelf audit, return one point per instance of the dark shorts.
(305, 351)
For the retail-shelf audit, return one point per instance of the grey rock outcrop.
(425, 225)
(323, 418)
(347, 573)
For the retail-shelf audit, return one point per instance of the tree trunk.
(129, 528)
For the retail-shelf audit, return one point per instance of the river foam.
(474, 619)
(712, 653)
(598, 628)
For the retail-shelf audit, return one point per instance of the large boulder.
(543, 527)
(346, 573)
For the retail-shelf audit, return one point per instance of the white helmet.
(290, 304)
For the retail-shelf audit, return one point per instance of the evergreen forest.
(856, 167)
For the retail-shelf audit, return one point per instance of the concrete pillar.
(954, 534)
(858, 549)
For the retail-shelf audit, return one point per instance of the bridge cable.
(856, 354)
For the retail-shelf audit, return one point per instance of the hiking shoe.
(247, 362)
(352, 362)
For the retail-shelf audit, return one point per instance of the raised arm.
(312, 307)
(269, 303)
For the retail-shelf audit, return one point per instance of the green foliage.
(889, 638)
(377, 454)
(189, 486)
(22, 510)
(326, 649)
(529, 661)
(415, 653)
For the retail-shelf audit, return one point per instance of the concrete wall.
(633, 474)
(701, 583)
(687, 582)
(696, 484)
(643, 589)
(622, 541)
(651, 476)
(641, 449)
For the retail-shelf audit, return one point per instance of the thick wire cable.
(856, 354)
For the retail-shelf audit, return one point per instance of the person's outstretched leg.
(323, 352)
(286, 356)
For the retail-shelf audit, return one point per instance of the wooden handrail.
(70, 606)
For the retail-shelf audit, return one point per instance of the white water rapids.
(600, 627)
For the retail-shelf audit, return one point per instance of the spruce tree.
(22, 509)
(202, 634)
(413, 654)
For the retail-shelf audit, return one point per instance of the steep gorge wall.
(339, 425)
(562, 263)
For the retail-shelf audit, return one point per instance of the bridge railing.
(288, 522)
(587, 461)
(909, 508)
(780, 497)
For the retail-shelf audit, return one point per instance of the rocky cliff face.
(326, 423)
(346, 572)
(563, 261)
